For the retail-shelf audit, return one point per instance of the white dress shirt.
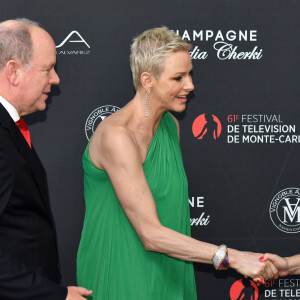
(10, 109)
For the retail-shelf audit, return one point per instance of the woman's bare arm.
(119, 155)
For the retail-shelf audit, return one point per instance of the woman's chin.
(180, 108)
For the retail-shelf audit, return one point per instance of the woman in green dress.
(136, 242)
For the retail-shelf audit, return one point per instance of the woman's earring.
(147, 100)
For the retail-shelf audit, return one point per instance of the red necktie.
(24, 130)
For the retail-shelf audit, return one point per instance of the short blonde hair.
(149, 50)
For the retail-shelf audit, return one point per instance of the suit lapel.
(30, 156)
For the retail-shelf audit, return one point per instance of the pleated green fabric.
(111, 259)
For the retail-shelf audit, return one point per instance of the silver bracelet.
(220, 259)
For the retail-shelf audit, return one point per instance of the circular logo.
(98, 115)
(244, 289)
(206, 127)
(285, 210)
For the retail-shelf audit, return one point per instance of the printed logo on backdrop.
(207, 127)
(285, 210)
(197, 203)
(260, 129)
(282, 289)
(96, 117)
(73, 44)
(244, 289)
(223, 44)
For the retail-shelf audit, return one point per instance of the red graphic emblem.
(206, 127)
(244, 289)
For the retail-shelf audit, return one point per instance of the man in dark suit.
(29, 266)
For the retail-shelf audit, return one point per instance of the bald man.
(29, 265)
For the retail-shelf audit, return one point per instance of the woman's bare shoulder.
(112, 128)
(112, 140)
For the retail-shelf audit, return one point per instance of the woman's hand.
(281, 263)
(248, 264)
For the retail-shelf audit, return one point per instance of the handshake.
(262, 268)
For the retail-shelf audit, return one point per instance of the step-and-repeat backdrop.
(240, 134)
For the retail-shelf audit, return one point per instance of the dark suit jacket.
(29, 267)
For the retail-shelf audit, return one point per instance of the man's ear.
(147, 80)
(13, 72)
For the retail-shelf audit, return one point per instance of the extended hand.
(77, 293)
(279, 262)
(248, 264)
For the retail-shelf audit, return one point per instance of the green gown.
(111, 258)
